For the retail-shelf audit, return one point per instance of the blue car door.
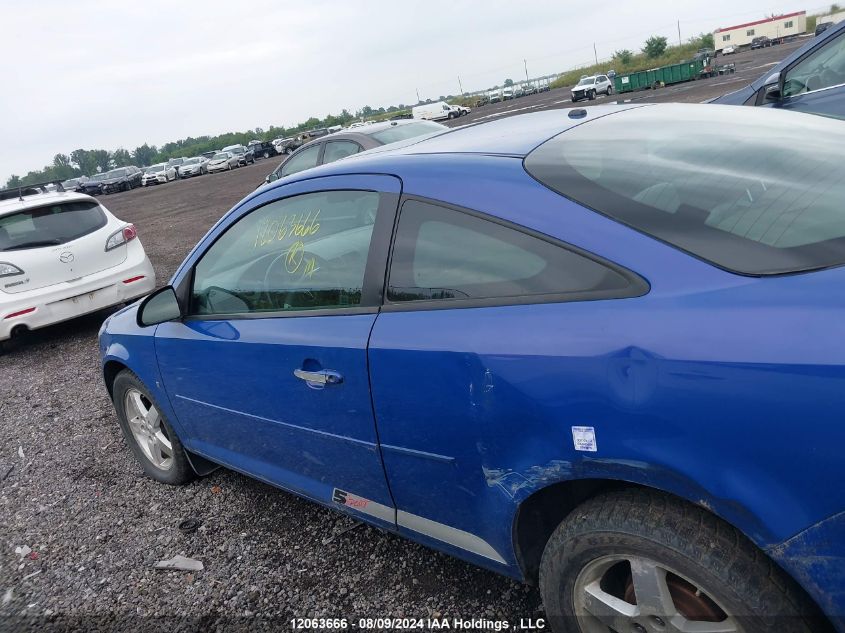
(268, 373)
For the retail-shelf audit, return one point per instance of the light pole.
(525, 63)
(460, 86)
(595, 53)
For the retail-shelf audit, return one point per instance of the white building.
(775, 27)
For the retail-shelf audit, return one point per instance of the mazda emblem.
(66, 257)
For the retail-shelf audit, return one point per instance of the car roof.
(13, 205)
(511, 136)
(361, 135)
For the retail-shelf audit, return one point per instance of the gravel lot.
(72, 492)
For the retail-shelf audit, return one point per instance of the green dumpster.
(667, 75)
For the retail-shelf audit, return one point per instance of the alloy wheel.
(621, 594)
(145, 424)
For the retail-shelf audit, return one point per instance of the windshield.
(235, 149)
(191, 161)
(116, 173)
(220, 156)
(586, 81)
(69, 184)
(729, 193)
(99, 176)
(50, 225)
(403, 132)
(154, 168)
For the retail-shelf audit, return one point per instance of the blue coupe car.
(602, 350)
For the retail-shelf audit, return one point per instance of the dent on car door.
(816, 83)
(468, 380)
(269, 372)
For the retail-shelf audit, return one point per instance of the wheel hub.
(630, 593)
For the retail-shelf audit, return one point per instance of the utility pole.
(595, 53)
(460, 86)
(525, 62)
(679, 34)
(418, 95)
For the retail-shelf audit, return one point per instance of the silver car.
(222, 161)
(196, 166)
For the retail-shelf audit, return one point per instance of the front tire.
(148, 432)
(641, 561)
(592, 95)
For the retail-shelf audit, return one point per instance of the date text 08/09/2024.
(424, 624)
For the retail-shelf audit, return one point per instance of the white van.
(434, 111)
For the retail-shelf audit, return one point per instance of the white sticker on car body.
(584, 438)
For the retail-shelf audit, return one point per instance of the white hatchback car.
(62, 255)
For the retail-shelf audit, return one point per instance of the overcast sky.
(86, 74)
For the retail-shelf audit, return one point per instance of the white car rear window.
(50, 225)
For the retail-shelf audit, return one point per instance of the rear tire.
(162, 456)
(689, 564)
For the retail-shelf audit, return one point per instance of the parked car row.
(513, 92)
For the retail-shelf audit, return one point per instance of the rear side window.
(50, 225)
(443, 254)
(409, 130)
(306, 159)
(335, 150)
(755, 191)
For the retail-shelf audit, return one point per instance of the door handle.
(322, 377)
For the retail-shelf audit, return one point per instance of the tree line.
(86, 162)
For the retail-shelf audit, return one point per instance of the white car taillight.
(121, 237)
(7, 270)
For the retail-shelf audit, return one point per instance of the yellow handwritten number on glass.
(294, 258)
